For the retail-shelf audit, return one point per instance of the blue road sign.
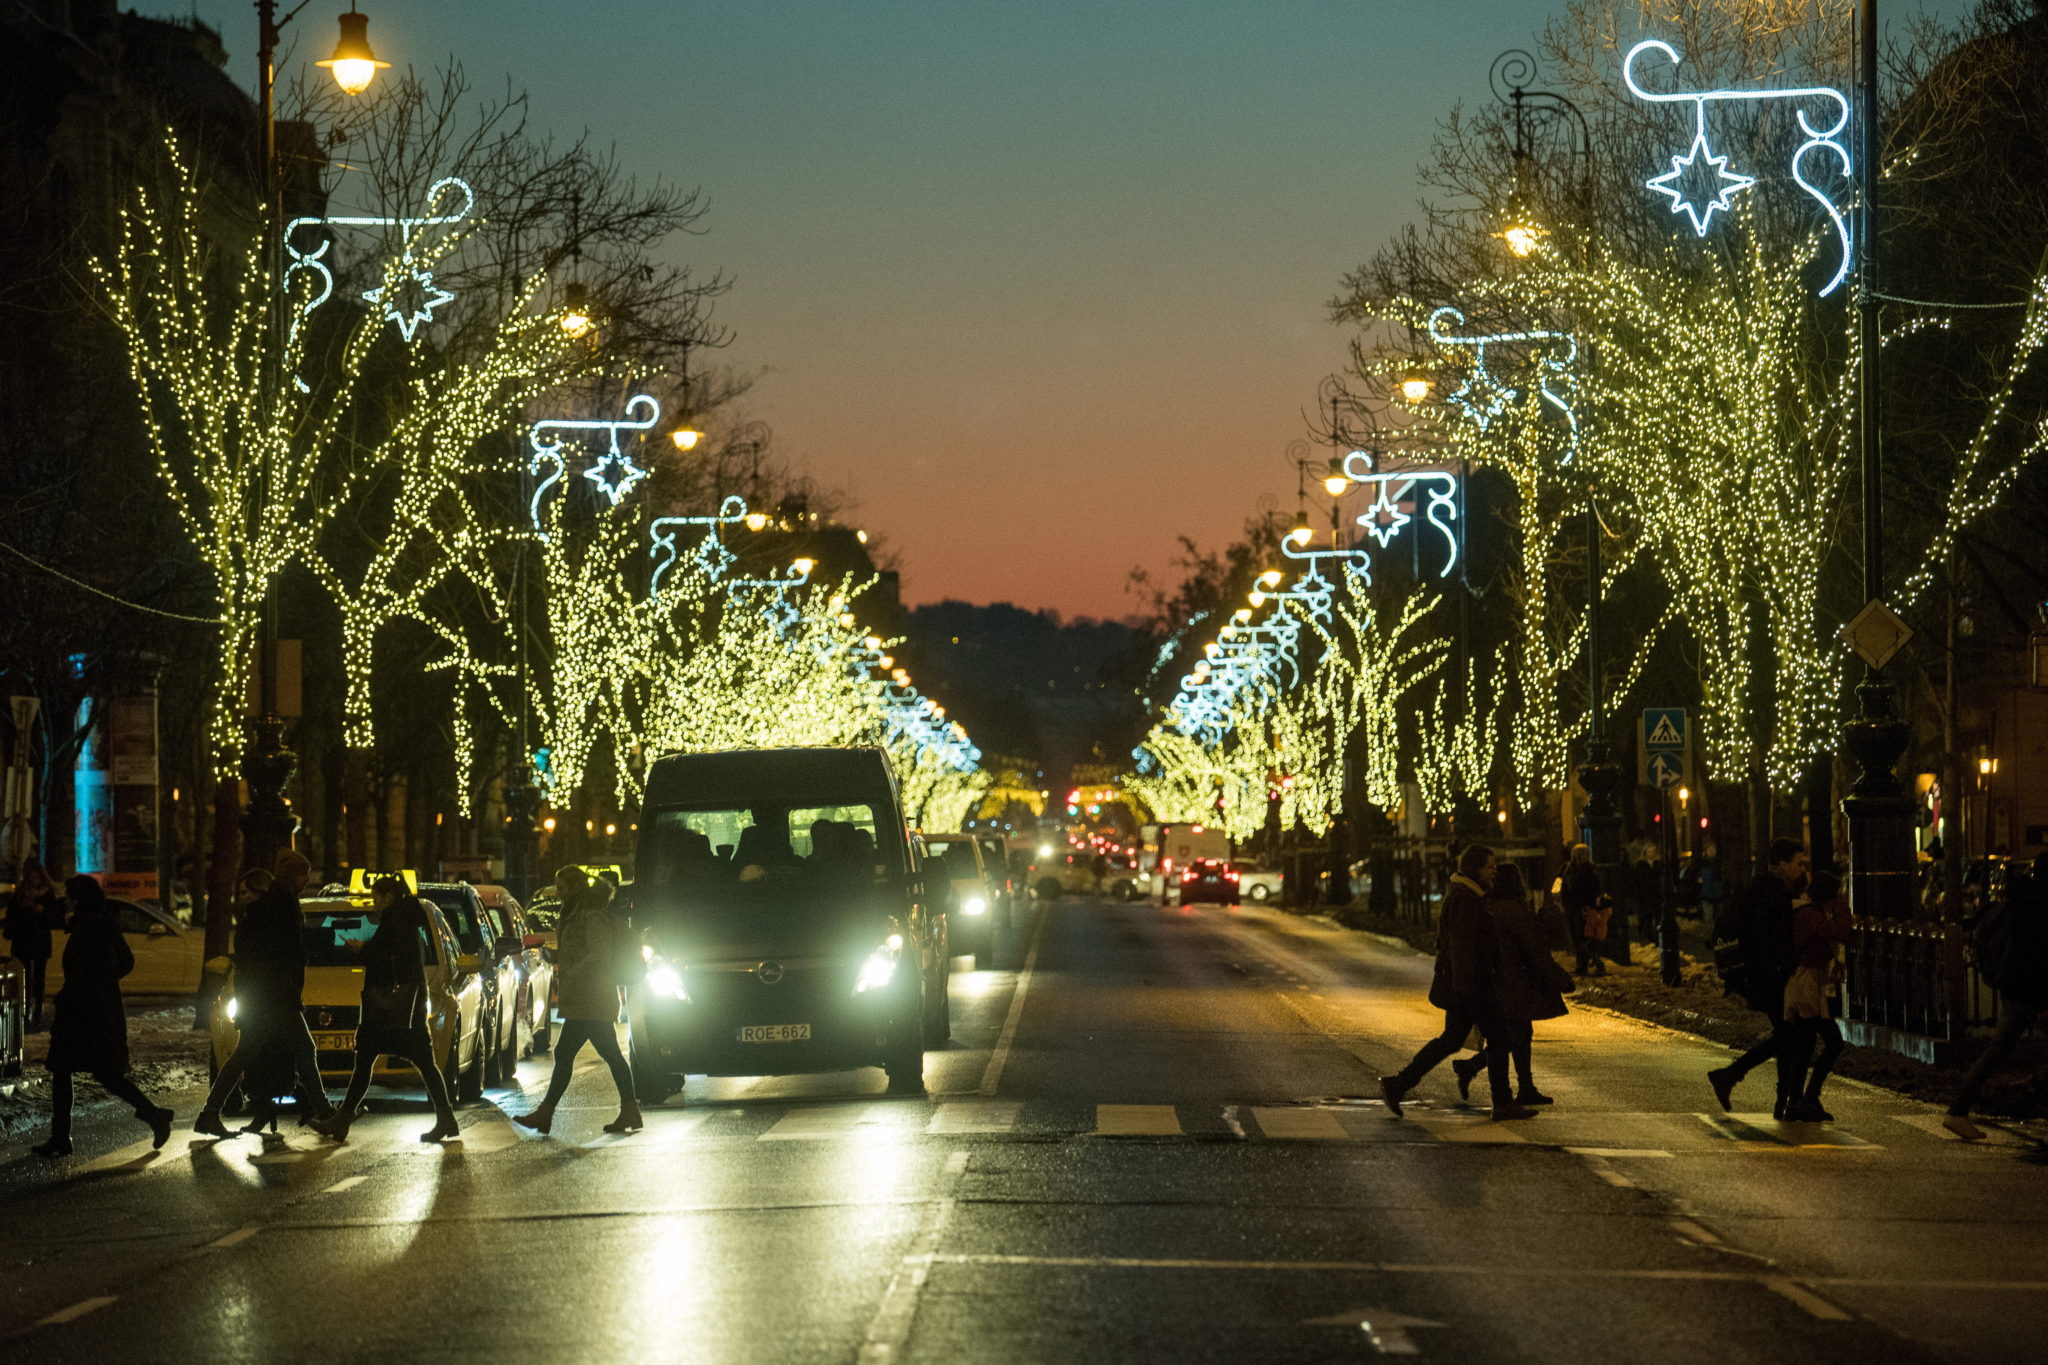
(1665, 739)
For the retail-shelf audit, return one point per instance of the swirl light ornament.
(449, 201)
(1699, 170)
(613, 473)
(1484, 397)
(1394, 495)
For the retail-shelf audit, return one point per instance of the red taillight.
(1231, 875)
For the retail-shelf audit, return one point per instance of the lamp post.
(1879, 812)
(268, 824)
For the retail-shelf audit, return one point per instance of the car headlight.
(664, 979)
(233, 1009)
(880, 968)
(975, 905)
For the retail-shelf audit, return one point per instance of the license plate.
(334, 1042)
(774, 1033)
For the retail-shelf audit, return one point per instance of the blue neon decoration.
(426, 294)
(712, 554)
(1386, 517)
(1700, 170)
(1485, 397)
(613, 473)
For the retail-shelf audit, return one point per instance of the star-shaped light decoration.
(614, 473)
(714, 558)
(1384, 519)
(1482, 396)
(409, 297)
(1700, 182)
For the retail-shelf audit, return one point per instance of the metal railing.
(1913, 976)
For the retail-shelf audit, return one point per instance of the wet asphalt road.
(1150, 1139)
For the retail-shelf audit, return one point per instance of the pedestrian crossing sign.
(1663, 750)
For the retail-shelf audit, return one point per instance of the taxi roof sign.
(362, 879)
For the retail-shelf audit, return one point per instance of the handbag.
(389, 1008)
(1440, 985)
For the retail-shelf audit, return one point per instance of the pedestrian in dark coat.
(1465, 988)
(90, 1030)
(587, 952)
(2022, 983)
(34, 910)
(1765, 957)
(1528, 983)
(270, 977)
(1584, 909)
(1820, 929)
(393, 1019)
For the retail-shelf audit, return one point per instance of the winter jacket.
(90, 1030)
(1769, 954)
(270, 952)
(29, 922)
(586, 970)
(1467, 946)
(1527, 980)
(392, 962)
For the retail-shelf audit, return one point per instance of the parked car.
(169, 956)
(13, 1022)
(970, 915)
(816, 944)
(479, 936)
(333, 995)
(1207, 879)
(533, 1007)
(1260, 884)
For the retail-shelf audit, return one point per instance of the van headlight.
(665, 978)
(880, 967)
(975, 905)
(233, 1008)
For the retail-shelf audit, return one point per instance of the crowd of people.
(274, 1053)
(1780, 945)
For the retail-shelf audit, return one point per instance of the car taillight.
(1231, 875)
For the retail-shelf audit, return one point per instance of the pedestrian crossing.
(489, 1133)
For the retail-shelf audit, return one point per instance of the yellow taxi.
(337, 917)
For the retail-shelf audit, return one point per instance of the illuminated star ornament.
(613, 473)
(410, 296)
(1485, 397)
(1700, 182)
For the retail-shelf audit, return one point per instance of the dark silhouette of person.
(2022, 985)
(1465, 989)
(587, 976)
(393, 1019)
(90, 1029)
(34, 912)
(1529, 984)
(270, 977)
(1820, 928)
(1581, 894)
(1765, 960)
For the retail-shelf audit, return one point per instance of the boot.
(336, 1124)
(628, 1121)
(1465, 1069)
(1723, 1080)
(54, 1147)
(1391, 1090)
(445, 1127)
(208, 1123)
(159, 1121)
(541, 1120)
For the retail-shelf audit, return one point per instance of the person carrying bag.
(393, 1020)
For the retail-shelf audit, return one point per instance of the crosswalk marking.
(1469, 1130)
(975, 1116)
(1297, 1124)
(1137, 1120)
(1761, 1131)
(829, 1121)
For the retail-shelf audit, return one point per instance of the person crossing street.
(1465, 989)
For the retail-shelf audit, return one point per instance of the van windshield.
(763, 853)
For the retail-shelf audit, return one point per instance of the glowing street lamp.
(686, 437)
(576, 320)
(353, 64)
(1523, 239)
(1336, 481)
(1415, 388)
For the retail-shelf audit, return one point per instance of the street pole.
(1877, 808)
(268, 823)
(1600, 821)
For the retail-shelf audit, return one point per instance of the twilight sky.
(1040, 282)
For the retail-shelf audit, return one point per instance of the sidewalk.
(165, 1057)
(1697, 1006)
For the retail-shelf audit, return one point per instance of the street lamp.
(576, 320)
(686, 437)
(267, 766)
(1415, 388)
(353, 64)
